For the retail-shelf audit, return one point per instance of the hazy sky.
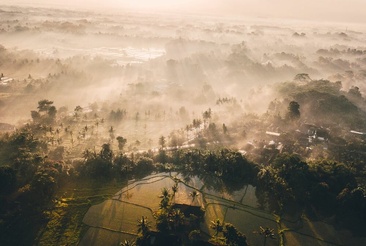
(325, 10)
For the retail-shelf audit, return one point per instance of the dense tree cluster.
(118, 115)
(323, 101)
(319, 187)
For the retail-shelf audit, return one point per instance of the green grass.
(65, 226)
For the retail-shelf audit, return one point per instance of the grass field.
(64, 226)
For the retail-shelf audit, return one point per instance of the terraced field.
(115, 219)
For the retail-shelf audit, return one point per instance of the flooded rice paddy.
(115, 219)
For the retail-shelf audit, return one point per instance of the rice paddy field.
(64, 221)
(101, 213)
(115, 219)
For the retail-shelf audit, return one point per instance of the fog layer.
(323, 10)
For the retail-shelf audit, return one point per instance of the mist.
(250, 104)
(92, 56)
(323, 10)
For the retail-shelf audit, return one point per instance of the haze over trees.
(95, 106)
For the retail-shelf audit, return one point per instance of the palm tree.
(187, 130)
(164, 193)
(165, 198)
(97, 125)
(266, 232)
(111, 133)
(193, 194)
(162, 142)
(233, 236)
(174, 189)
(71, 138)
(176, 218)
(143, 226)
(127, 243)
(206, 116)
(217, 225)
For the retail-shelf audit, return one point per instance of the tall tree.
(121, 142)
(266, 233)
(127, 243)
(176, 218)
(293, 110)
(162, 141)
(217, 226)
(44, 105)
(106, 153)
(233, 236)
(111, 133)
(174, 190)
(194, 194)
(206, 117)
(143, 226)
(165, 198)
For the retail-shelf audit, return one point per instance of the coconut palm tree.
(111, 133)
(143, 226)
(187, 131)
(266, 232)
(176, 218)
(193, 194)
(127, 243)
(165, 198)
(233, 236)
(217, 225)
(174, 190)
(162, 142)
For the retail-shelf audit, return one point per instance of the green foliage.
(143, 226)
(21, 151)
(44, 182)
(46, 112)
(106, 153)
(176, 219)
(194, 236)
(121, 142)
(127, 243)
(8, 180)
(293, 111)
(231, 166)
(294, 172)
(233, 236)
(118, 115)
(302, 77)
(162, 142)
(290, 180)
(165, 198)
(336, 175)
(322, 86)
(162, 220)
(162, 156)
(351, 209)
(266, 233)
(217, 226)
(98, 165)
(323, 101)
(44, 105)
(144, 166)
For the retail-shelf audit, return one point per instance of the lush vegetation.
(321, 178)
